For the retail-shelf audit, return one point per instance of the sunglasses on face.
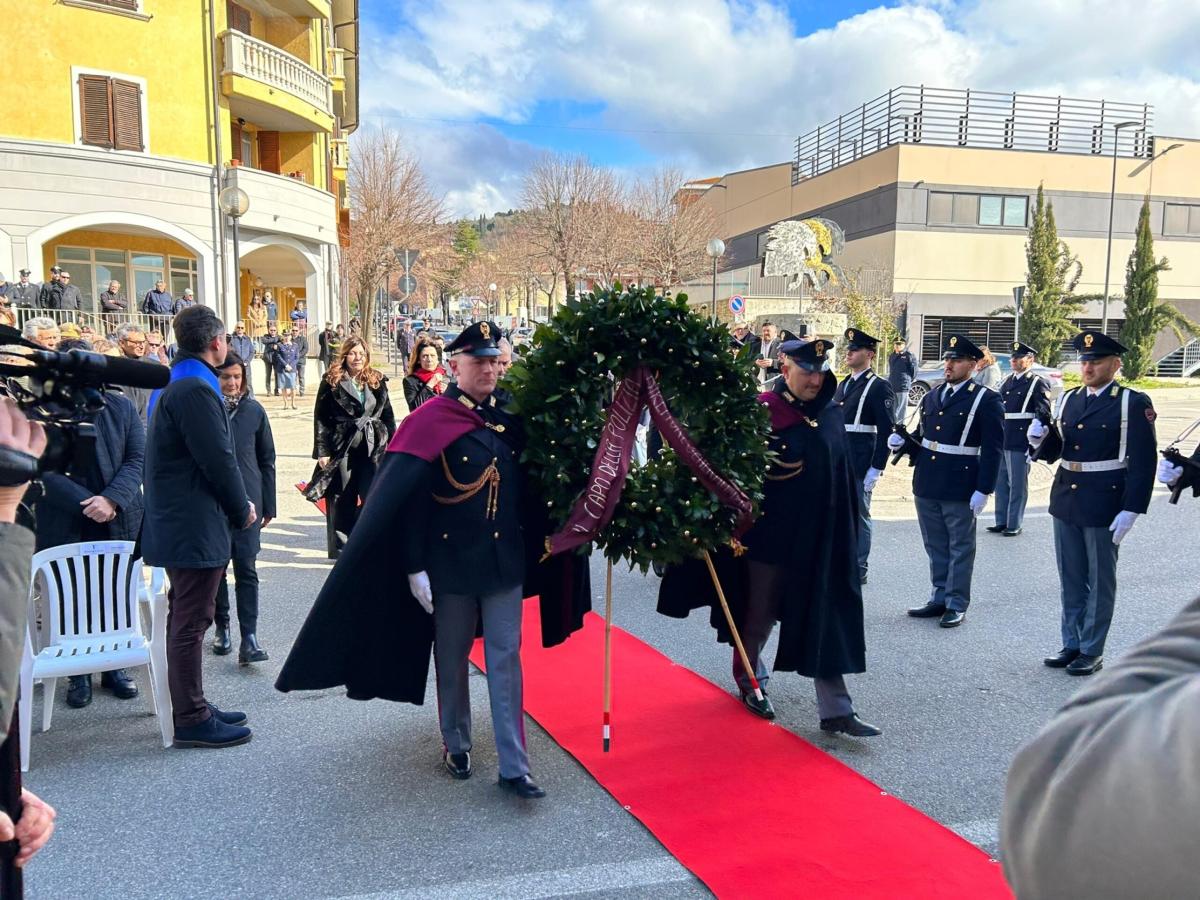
(153, 345)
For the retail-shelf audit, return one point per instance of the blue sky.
(481, 88)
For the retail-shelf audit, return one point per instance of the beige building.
(935, 191)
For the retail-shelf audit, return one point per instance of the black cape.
(366, 630)
(809, 526)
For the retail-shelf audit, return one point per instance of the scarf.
(231, 403)
(186, 367)
(426, 376)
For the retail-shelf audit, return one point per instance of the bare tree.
(557, 190)
(675, 229)
(391, 206)
(609, 245)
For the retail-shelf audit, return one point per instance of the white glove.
(1036, 433)
(1121, 524)
(978, 502)
(895, 441)
(418, 583)
(871, 478)
(1168, 472)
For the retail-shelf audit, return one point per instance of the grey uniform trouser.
(948, 530)
(454, 618)
(1087, 569)
(864, 525)
(767, 585)
(1012, 489)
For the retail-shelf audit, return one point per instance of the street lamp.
(234, 202)
(715, 249)
(492, 302)
(1112, 201)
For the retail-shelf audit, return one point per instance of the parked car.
(930, 377)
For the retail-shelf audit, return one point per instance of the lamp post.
(492, 301)
(715, 249)
(1112, 202)
(234, 202)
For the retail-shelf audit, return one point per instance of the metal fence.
(101, 324)
(950, 117)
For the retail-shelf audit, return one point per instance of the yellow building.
(126, 118)
(935, 189)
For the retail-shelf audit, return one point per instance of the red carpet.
(749, 807)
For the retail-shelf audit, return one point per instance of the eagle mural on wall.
(803, 250)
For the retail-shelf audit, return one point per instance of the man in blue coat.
(902, 369)
(1026, 397)
(961, 436)
(1104, 435)
(866, 401)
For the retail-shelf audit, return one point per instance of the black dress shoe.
(1085, 665)
(952, 618)
(523, 786)
(221, 644)
(851, 725)
(119, 683)
(458, 765)
(928, 611)
(1011, 532)
(228, 716)
(761, 708)
(1061, 659)
(249, 651)
(996, 529)
(79, 691)
(211, 733)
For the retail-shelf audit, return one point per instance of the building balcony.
(283, 205)
(301, 9)
(337, 69)
(273, 88)
(339, 157)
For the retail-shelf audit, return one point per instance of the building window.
(93, 268)
(183, 275)
(110, 113)
(1181, 219)
(239, 17)
(988, 210)
(131, 5)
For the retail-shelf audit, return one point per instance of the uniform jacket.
(1122, 756)
(1026, 397)
(946, 476)
(286, 356)
(254, 446)
(345, 427)
(157, 303)
(1093, 433)
(120, 456)
(193, 487)
(866, 401)
(902, 369)
(24, 294)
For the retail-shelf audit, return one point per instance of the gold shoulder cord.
(795, 468)
(490, 477)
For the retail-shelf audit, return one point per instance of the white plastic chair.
(91, 593)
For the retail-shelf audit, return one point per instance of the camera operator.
(35, 823)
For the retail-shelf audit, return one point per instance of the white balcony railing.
(339, 152)
(337, 62)
(260, 61)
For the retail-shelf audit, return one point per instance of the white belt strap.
(1103, 465)
(1020, 415)
(952, 449)
(1124, 424)
(862, 429)
(862, 399)
(1033, 379)
(971, 418)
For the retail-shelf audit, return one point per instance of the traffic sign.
(737, 303)
(407, 284)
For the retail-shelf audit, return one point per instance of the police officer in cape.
(1026, 397)
(800, 565)
(866, 401)
(957, 450)
(1103, 433)
(448, 542)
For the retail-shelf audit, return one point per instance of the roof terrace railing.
(948, 117)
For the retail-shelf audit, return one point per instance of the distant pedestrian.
(70, 298)
(158, 302)
(156, 347)
(287, 355)
(426, 378)
(24, 294)
(300, 336)
(112, 306)
(325, 351)
(272, 308)
(987, 370)
(188, 299)
(256, 322)
(902, 369)
(241, 345)
(50, 294)
(270, 342)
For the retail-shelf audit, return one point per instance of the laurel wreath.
(561, 389)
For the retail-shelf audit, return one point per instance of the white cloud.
(717, 72)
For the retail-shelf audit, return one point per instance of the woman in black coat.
(426, 376)
(353, 422)
(254, 446)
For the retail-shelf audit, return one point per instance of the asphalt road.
(334, 798)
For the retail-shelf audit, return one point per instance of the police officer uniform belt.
(961, 448)
(856, 427)
(1023, 414)
(1102, 465)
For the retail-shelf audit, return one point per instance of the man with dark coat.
(766, 353)
(902, 369)
(1026, 397)
(957, 451)
(866, 401)
(800, 567)
(24, 294)
(270, 341)
(1103, 433)
(194, 498)
(100, 500)
(469, 542)
(50, 296)
(69, 297)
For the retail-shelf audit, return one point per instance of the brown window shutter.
(268, 151)
(236, 130)
(127, 115)
(95, 111)
(119, 4)
(239, 18)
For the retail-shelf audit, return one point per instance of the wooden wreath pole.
(608, 658)
(737, 638)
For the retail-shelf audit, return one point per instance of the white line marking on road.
(606, 877)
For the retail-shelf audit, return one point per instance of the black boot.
(120, 684)
(221, 644)
(79, 692)
(249, 651)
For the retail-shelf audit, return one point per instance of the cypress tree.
(1145, 316)
(1052, 273)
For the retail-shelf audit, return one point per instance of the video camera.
(65, 392)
